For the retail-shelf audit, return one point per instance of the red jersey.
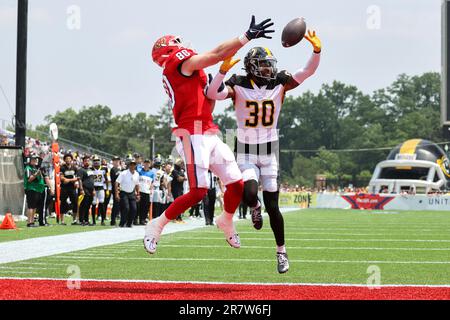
(191, 109)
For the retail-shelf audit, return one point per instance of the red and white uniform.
(197, 141)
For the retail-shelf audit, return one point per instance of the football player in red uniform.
(197, 142)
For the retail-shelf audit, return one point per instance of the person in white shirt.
(128, 193)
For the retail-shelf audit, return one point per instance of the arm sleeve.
(310, 68)
(216, 90)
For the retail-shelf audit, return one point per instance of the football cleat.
(229, 231)
(283, 262)
(150, 244)
(152, 235)
(257, 218)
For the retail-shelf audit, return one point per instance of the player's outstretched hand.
(228, 64)
(315, 41)
(259, 30)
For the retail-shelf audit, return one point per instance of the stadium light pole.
(21, 72)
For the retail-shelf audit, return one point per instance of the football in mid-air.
(293, 32)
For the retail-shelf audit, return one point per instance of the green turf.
(22, 232)
(324, 246)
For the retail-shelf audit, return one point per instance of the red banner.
(368, 201)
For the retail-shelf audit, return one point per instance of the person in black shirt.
(209, 201)
(68, 188)
(87, 190)
(177, 183)
(114, 173)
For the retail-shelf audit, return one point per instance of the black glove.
(259, 30)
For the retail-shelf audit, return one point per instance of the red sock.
(181, 204)
(233, 196)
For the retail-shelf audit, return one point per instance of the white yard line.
(20, 250)
(236, 283)
(308, 248)
(81, 257)
(243, 239)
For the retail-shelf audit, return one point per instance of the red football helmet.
(164, 47)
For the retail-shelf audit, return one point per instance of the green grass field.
(324, 246)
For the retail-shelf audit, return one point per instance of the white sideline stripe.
(20, 272)
(25, 268)
(20, 250)
(275, 284)
(318, 239)
(66, 257)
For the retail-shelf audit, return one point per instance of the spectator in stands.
(34, 184)
(127, 186)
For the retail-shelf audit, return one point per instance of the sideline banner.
(384, 202)
(11, 180)
(297, 200)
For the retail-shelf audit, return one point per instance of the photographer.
(34, 184)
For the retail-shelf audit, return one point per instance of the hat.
(147, 161)
(96, 158)
(130, 161)
(115, 158)
(68, 155)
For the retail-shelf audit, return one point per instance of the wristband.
(243, 39)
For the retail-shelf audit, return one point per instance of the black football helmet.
(261, 65)
(416, 163)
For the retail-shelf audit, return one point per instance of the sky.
(89, 52)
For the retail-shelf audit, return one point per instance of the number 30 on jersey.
(267, 108)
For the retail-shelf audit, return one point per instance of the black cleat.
(257, 218)
(283, 262)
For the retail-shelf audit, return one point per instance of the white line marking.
(295, 233)
(307, 248)
(25, 268)
(20, 250)
(236, 283)
(319, 239)
(64, 257)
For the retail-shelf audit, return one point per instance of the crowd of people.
(126, 191)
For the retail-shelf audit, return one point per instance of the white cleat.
(227, 226)
(152, 235)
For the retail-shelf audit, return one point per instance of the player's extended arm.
(217, 90)
(228, 48)
(301, 75)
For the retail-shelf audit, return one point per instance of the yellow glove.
(315, 41)
(107, 193)
(228, 64)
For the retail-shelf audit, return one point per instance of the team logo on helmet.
(261, 64)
